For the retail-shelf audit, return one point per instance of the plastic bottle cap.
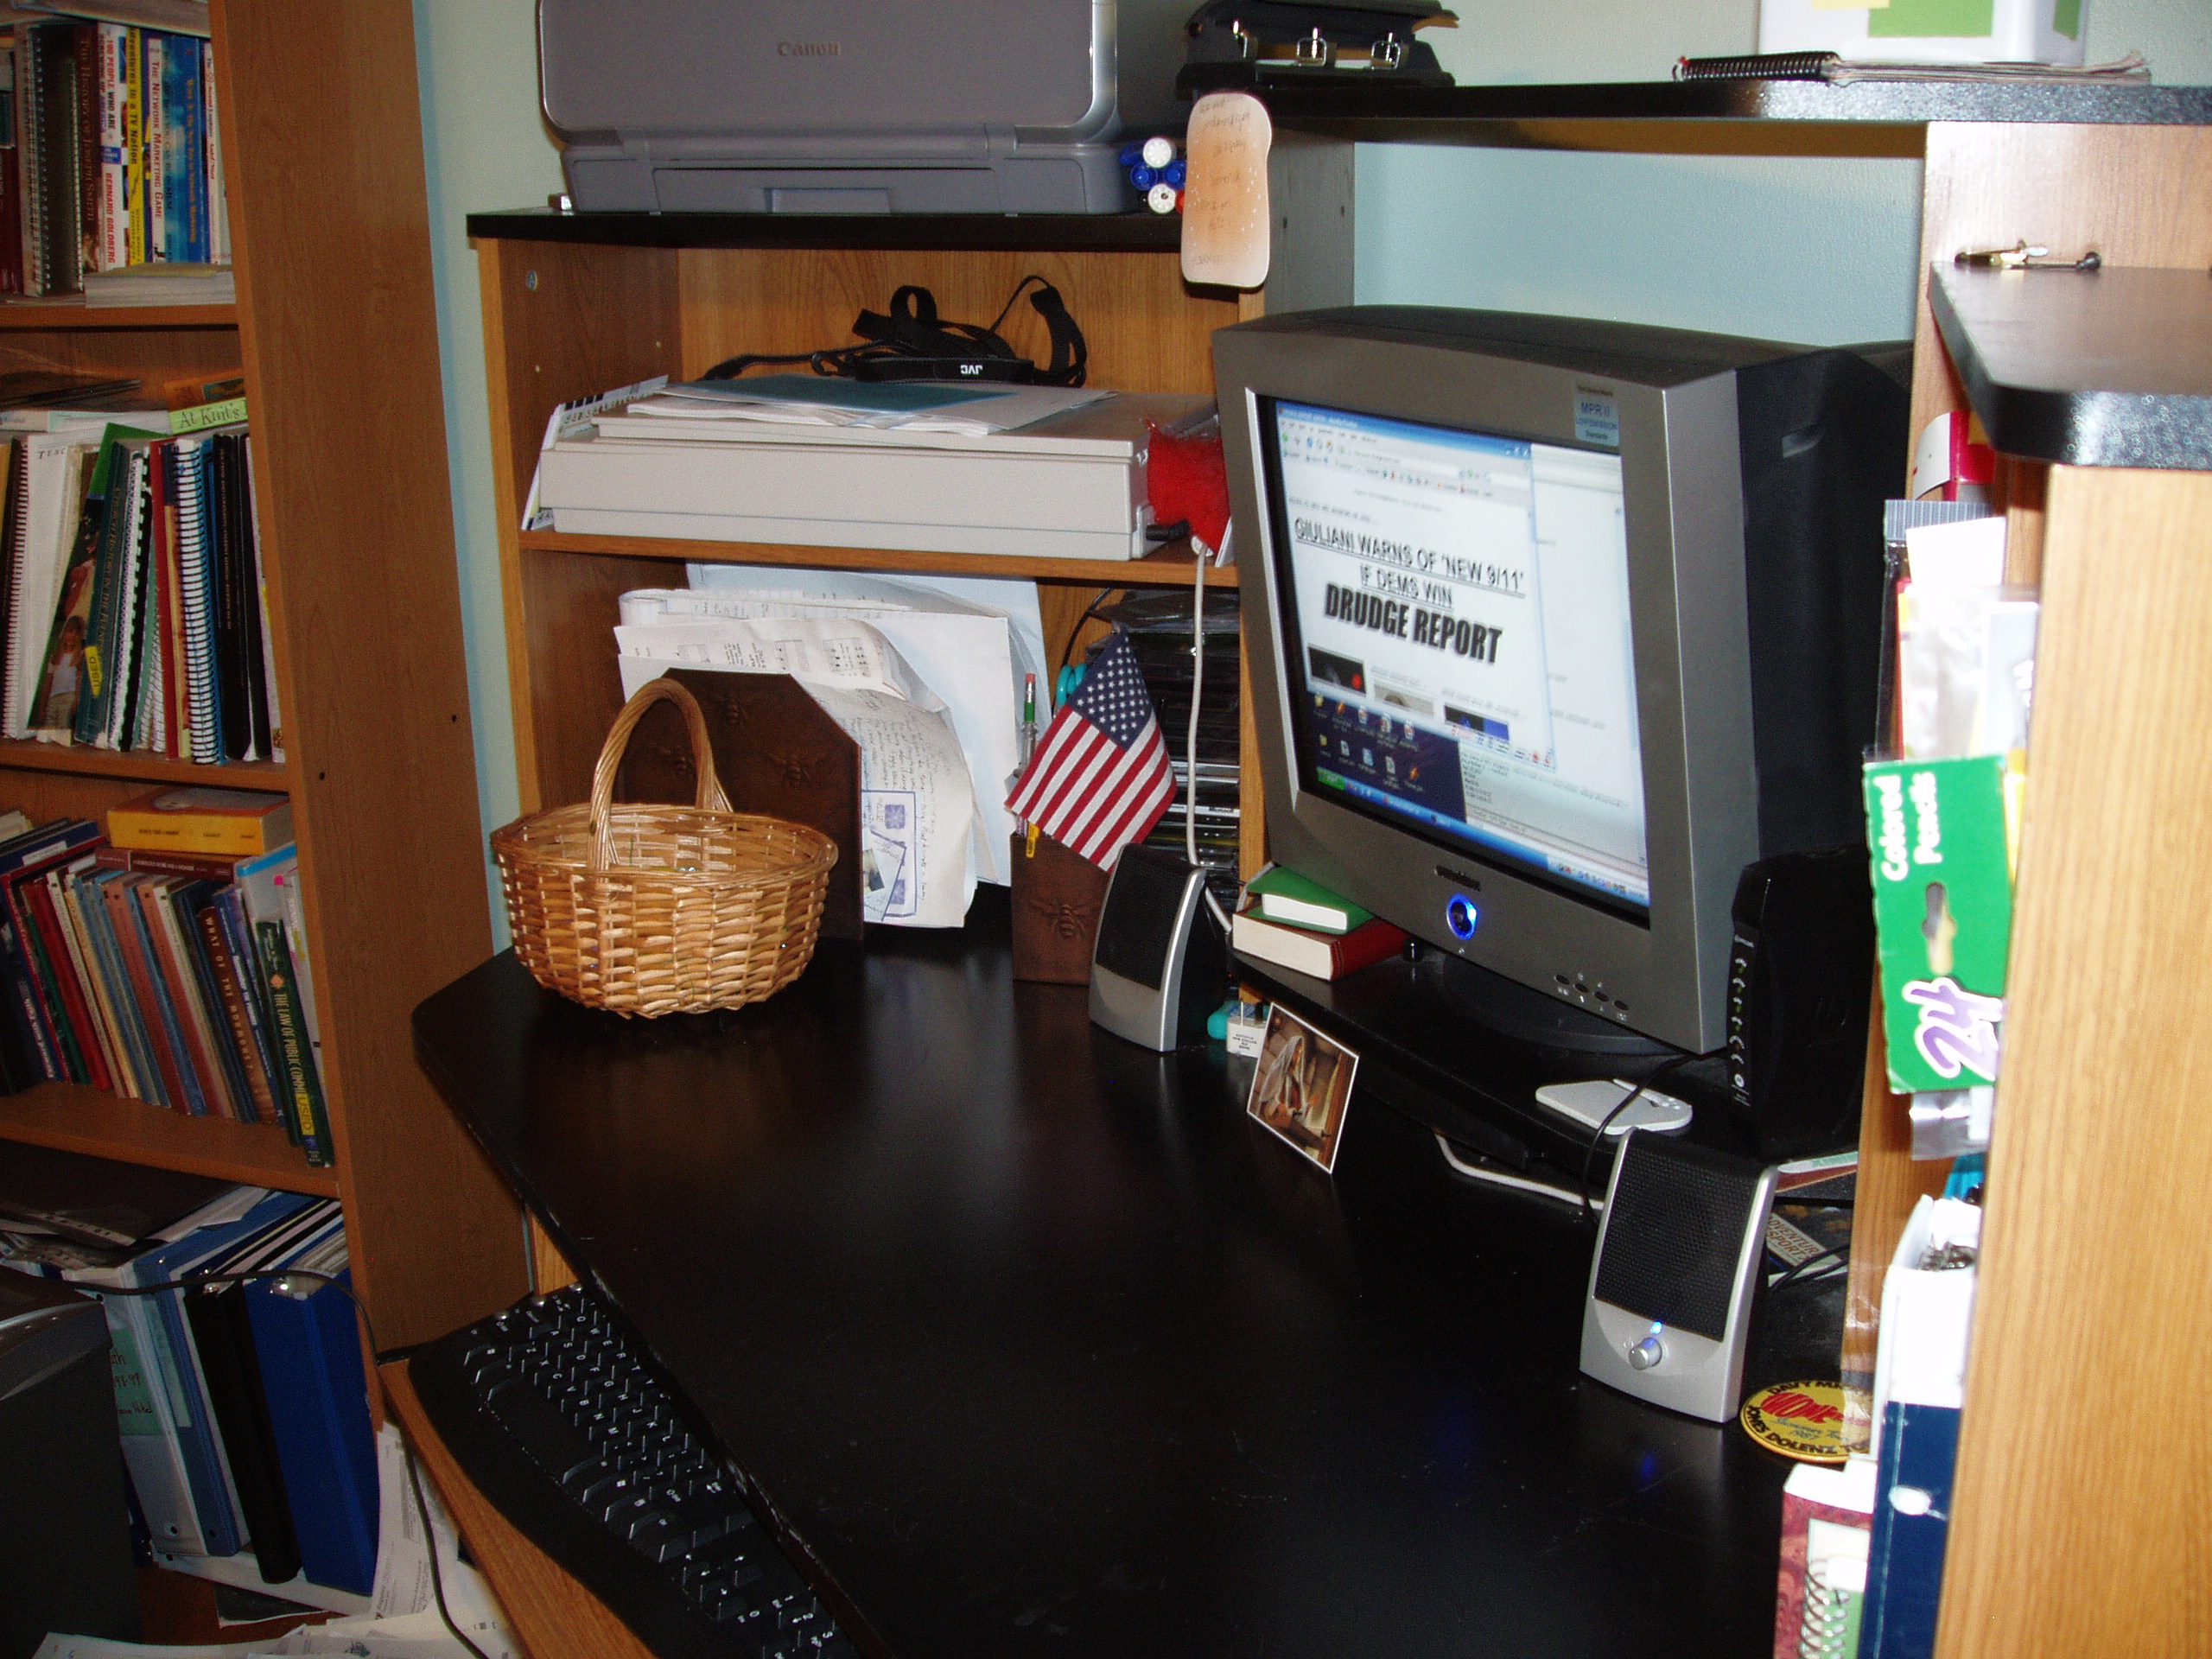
(1163, 199)
(1143, 177)
(1159, 151)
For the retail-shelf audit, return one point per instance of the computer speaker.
(1668, 1313)
(1159, 966)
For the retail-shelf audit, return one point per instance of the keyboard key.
(543, 1433)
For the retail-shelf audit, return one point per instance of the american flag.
(1101, 779)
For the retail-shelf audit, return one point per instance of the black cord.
(1796, 1273)
(992, 326)
(1067, 656)
(1590, 1153)
(414, 1477)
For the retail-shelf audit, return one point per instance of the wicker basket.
(654, 909)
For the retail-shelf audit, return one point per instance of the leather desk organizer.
(777, 753)
(1057, 895)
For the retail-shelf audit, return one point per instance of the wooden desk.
(1038, 1346)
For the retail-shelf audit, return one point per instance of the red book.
(1322, 955)
(1826, 1520)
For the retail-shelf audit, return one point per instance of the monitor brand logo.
(1472, 883)
(807, 48)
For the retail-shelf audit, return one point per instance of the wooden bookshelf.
(77, 1119)
(141, 765)
(335, 329)
(65, 313)
(1168, 566)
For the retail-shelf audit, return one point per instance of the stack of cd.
(1158, 624)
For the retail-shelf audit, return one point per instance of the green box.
(1943, 916)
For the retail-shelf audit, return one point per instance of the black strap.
(913, 328)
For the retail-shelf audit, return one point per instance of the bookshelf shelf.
(76, 1119)
(1170, 566)
(19, 316)
(82, 762)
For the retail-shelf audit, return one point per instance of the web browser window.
(1464, 663)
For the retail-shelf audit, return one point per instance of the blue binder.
(177, 1362)
(1904, 1562)
(310, 1356)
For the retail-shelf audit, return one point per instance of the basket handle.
(710, 796)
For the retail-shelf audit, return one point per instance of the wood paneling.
(560, 321)
(554, 1617)
(572, 604)
(77, 1119)
(2078, 1519)
(2135, 195)
(1146, 330)
(339, 334)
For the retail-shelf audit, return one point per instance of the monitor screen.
(1458, 649)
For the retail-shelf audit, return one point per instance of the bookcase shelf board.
(1419, 113)
(76, 1119)
(17, 315)
(17, 754)
(1167, 567)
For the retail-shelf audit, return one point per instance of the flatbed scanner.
(855, 106)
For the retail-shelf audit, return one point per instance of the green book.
(1287, 896)
(301, 1075)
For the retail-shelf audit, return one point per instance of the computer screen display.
(1461, 665)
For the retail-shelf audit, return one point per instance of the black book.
(97, 1201)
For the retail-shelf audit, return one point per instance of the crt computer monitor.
(1555, 626)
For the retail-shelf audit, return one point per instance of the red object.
(1101, 779)
(1322, 955)
(1186, 478)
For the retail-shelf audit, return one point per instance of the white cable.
(1466, 1171)
(1191, 735)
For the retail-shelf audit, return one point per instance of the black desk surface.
(1040, 1347)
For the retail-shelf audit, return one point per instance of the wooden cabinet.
(335, 327)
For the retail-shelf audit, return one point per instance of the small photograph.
(1301, 1086)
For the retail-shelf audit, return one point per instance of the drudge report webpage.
(1462, 604)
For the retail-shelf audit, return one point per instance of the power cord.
(1191, 735)
(1590, 1153)
(414, 1475)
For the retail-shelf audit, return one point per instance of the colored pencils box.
(174, 976)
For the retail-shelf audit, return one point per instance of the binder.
(318, 1406)
(222, 1336)
(174, 1455)
(1904, 1562)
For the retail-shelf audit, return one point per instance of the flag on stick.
(1101, 778)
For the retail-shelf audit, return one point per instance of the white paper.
(971, 641)
(1920, 1357)
(1016, 406)
(1967, 554)
(918, 801)
(402, 1588)
(572, 417)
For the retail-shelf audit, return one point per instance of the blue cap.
(1175, 172)
(1143, 177)
(1132, 152)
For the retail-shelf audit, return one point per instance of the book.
(309, 1350)
(197, 819)
(302, 1075)
(1322, 955)
(222, 1336)
(1826, 1521)
(97, 1201)
(1911, 1523)
(1287, 896)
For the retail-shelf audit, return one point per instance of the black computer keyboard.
(549, 1412)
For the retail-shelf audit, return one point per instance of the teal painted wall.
(1821, 251)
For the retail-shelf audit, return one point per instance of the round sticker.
(1799, 1420)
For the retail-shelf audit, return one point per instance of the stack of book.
(244, 1404)
(136, 614)
(1298, 923)
(117, 157)
(165, 961)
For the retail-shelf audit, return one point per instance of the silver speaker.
(1671, 1285)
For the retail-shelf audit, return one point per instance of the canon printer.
(856, 106)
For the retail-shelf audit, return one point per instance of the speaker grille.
(1674, 1230)
(1142, 909)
